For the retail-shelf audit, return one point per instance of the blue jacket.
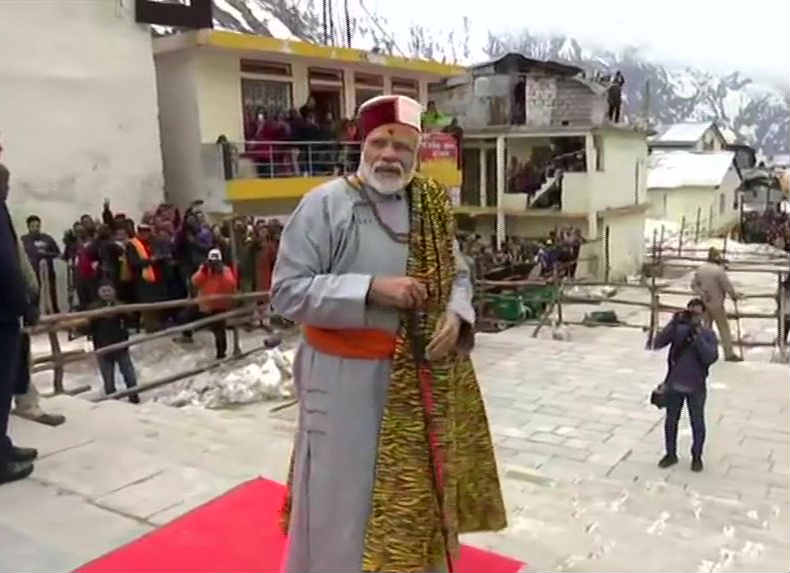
(691, 368)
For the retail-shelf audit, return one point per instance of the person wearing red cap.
(392, 457)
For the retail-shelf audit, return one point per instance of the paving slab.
(97, 469)
(576, 439)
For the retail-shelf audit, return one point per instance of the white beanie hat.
(215, 255)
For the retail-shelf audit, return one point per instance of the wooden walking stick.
(436, 456)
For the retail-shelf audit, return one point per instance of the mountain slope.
(759, 115)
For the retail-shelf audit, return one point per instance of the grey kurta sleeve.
(304, 288)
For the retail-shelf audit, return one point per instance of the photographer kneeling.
(694, 349)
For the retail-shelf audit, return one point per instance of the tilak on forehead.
(389, 111)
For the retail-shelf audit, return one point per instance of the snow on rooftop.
(688, 132)
(729, 135)
(673, 169)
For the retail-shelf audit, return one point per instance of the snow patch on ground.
(265, 376)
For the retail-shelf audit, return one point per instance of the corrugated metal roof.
(523, 64)
(674, 169)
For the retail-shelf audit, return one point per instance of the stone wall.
(560, 101)
(551, 101)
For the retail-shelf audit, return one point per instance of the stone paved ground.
(577, 445)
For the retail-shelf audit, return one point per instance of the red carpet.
(238, 531)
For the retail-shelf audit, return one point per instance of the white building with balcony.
(539, 154)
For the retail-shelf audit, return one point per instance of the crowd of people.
(154, 260)
(771, 226)
(331, 146)
(558, 252)
(311, 141)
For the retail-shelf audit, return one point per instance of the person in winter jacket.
(15, 463)
(212, 278)
(26, 396)
(712, 285)
(147, 268)
(694, 348)
(107, 330)
(42, 247)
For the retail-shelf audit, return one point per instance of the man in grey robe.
(342, 265)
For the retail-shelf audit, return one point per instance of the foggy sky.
(716, 36)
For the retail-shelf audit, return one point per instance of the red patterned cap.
(383, 110)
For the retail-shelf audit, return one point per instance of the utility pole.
(348, 24)
(331, 23)
(326, 35)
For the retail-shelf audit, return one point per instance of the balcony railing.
(272, 159)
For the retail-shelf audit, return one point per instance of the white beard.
(386, 185)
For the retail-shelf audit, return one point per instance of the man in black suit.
(15, 463)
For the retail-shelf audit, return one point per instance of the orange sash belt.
(361, 343)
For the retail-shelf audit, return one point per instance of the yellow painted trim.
(278, 188)
(474, 211)
(253, 43)
(275, 188)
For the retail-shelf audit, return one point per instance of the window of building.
(271, 97)
(722, 203)
(369, 80)
(407, 87)
(326, 88)
(265, 68)
(367, 86)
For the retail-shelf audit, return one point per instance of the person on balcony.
(262, 150)
(458, 134)
(433, 119)
(615, 97)
(370, 266)
(308, 132)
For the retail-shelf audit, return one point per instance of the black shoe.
(696, 465)
(23, 454)
(733, 358)
(134, 398)
(51, 419)
(667, 461)
(13, 471)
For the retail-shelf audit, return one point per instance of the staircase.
(114, 471)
